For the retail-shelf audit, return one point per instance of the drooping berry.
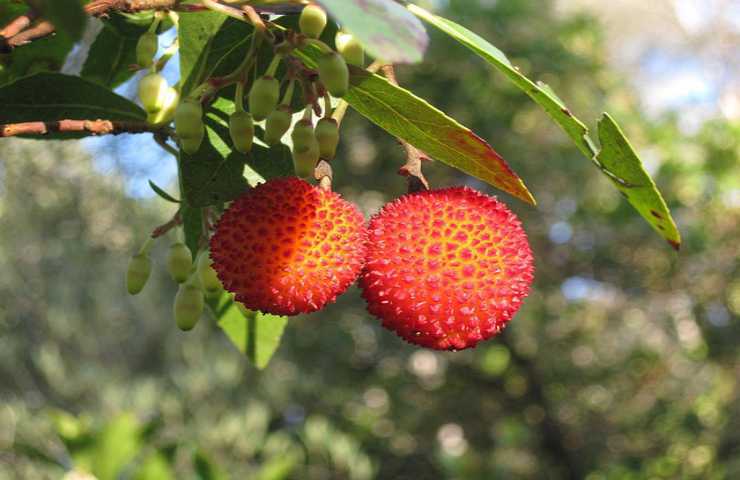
(241, 129)
(327, 134)
(287, 247)
(334, 73)
(146, 48)
(179, 262)
(167, 113)
(278, 122)
(208, 277)
(263, 97)
(312, 21)
(305, 148)
(153, 92)
(188, 306)
(446, 268)
(189, 125)
(139, 268)
(348, 47)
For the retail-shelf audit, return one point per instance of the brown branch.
(91, 127)
(41, 29)
(164, 228)
(414, 157)
(18, 24)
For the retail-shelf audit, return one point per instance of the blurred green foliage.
(623, 363)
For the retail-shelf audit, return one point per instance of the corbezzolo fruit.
(189, 125)
(167, 113)
(278, 122)
(305, 148)
(334, 73)
(264, 97)
(327, 134)
(153, 92)
(146, 48)
(348, 47)
(241, 129)
(188, 306)
(139, 268)
(312, 21)
(208, 278)
(179, 262)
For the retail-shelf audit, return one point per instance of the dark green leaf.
(192, 227)
(255, 334)
(42, 55)
(205, 469)
(387, 31)
(196, 33)
(159, 191)
(618, 156)
(67, 15)
(109, 58)
(53, 96)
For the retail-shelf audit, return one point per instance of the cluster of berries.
(444, 269)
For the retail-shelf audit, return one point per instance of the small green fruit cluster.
(189, 125)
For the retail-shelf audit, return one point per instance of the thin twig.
(166, 227)
(91, 127)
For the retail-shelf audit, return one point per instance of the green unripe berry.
(312, 21)
(327, 134)
(334, 74)
(263, 97)
(189, 125)
(348, 46)
(208, 277)
(188, 306)
(139, 268)
(146, 48)
(241, 128)
(278, 122)
(179, 262)
(153, 90)
(167, 113)
(305, 148)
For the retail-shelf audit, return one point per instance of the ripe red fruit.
(446, 268)
(287, 247)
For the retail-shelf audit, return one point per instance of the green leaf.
(192, 227)
(206, 469)
(66, 15)
(648, 203)
(109, 58)
(386, 30)
(155, 467)
(257, 335)
(196, 33)
(117, 445)
(159, 191)
(618, 156)
(539, 92)
(41, 55)
(53, 96)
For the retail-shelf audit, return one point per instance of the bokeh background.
(622, 364)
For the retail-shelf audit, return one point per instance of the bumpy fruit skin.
(327, 134)
(188, 306)
(139, 268)
(348, 46)
(446, 269)
(208, 277)
(334, 74)
(312, 21)
(287, 247)
(179, 262)
(263, 97)
(153, 90)
(241, 129)
(306, 149)
(146, 48)
(189, 125)
(278, 122)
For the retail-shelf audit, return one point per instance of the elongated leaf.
(53, 96)
(617, 155)
(192, 227)
(196, 33)
(109, 58)
(67, 15)
(159, 191)
(386, 30)
(255, 334)
(648, 203)
(539, 92)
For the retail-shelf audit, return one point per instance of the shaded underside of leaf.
(196, 33)
(109, 58)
